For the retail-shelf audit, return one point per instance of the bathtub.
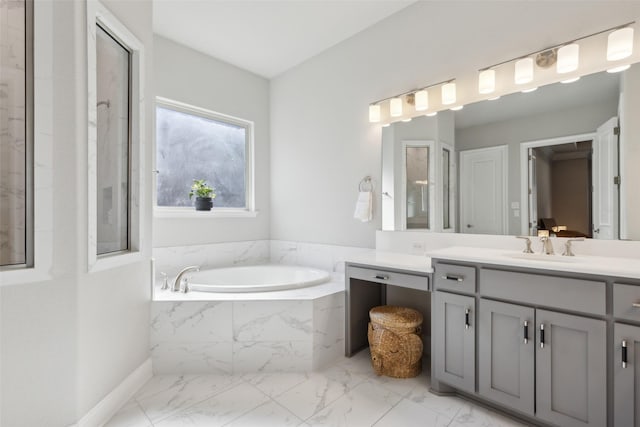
(257, 278)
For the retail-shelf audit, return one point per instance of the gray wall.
(321, 141)
(68, 340)
(630, 153)
(188, 76)
(513, 132)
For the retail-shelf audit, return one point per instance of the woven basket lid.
(395, 317)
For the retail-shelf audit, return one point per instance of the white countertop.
(607, 266)
(398, 261)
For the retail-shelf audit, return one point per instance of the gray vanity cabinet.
(506, 352)
(571, 369)
(626, 382)
(454, 341)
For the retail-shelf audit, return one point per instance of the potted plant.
(204, 195)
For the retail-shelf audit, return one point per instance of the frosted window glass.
(112, 82)
(194, 147)
(14, 137)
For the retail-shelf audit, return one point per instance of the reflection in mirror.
(416, 161)
(562, 158)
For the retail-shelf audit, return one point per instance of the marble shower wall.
(227, 337)
(12, 132)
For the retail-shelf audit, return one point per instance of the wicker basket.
(394, 341)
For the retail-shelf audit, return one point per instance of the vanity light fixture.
(568, 58)
(431, 114)
(421, 99)
(523, 71)
(495, 98)
(533, 89)
(620, 44)
(395, 107)
(406, 120)
(486, 81)
(457, 108)
(374, 113)
(449, 93)
(386, 125)
(618, 69)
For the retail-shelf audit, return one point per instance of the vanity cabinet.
(506, 349)
(454, 339)
(571, 366)
(540, 348)
(626, 374)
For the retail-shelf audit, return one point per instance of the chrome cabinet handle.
(624, 354)
(454, 278)
(381, 277)
(526, 331)
(541, 335)
(466, 318)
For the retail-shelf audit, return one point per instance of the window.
(113, 142)
(16, 134)
(115, 188)
(193, 143)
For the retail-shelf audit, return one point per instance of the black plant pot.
(204, 203)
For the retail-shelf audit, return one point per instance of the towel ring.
(365, 184)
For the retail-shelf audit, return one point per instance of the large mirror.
(563, 159)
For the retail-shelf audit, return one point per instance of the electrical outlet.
(418, 247)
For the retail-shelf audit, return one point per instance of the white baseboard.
(112, 402)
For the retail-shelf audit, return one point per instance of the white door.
(605, 181)
(483, 188)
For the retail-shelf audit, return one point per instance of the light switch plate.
(515, 205)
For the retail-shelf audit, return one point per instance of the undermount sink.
(543, 257)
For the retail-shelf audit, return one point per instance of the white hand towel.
(364, 206)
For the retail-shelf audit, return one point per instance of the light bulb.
(487, 81)
(374, 113)
(618, 69)
(449, 93)
(524, 71)
(433, 113)
(457, 108)
(571, 80)
(533, 89)
(422, 100)
(568, 58)
(395, 107)
(620, 44)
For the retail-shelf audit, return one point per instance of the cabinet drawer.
(412, 281)
(457, 278)
(558, 292)
(624, 298)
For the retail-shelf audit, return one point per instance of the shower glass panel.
(417, 184)
(113, 62)
(16, 109)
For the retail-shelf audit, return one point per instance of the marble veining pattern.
(346, 394)
(215, 337)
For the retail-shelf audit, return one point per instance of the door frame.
(524, 169)
(505, 188)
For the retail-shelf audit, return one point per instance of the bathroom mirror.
(563, 158)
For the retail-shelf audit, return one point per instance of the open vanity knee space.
(554, 343)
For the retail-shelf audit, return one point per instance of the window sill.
(21, 276)
(161, 212)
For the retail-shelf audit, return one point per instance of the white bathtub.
(257, 278)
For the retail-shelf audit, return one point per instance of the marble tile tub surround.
(346, 394)
(330, 258)
(230, 337)
(420, 243)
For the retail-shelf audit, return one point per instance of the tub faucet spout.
(177, 284)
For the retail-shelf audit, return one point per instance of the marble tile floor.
(347, 394)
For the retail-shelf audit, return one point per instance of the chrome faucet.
(547, 245)
(527, 249)
(567, 246)
(177, 284)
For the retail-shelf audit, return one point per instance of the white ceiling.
(263, 36)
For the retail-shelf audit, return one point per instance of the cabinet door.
(506, 354)
(571, 367)
(627, 378)
(454, 329)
